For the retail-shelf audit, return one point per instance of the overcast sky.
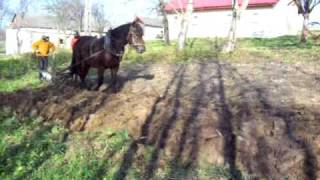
(122, 11)
(117, 11)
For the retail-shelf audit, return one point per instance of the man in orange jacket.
(42, 48)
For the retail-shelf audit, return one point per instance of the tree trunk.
(80, 25)
(165, 22)
(304, 33)
(236, 14)
(184, 25)
(232, 33)
(87, 17)
(19, 42)
(166, 29)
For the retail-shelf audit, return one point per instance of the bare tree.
(2, 11)
(88, 16)
(68, 13)
(21, 10)
(100, 21)
(161, 10)
(77, 13)
(159, 7)
(185, 20)
(236, 15)
(305, 7)
(58, 9)
(184, 14)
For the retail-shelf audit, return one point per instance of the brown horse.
(106, 52)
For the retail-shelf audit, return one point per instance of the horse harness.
(107, 45)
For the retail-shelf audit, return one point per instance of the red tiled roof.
(200, 5)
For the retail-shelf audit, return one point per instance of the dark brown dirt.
(262, 118)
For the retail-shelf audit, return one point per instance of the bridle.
(108, 44)
(131, 40)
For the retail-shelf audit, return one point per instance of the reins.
(76, 64)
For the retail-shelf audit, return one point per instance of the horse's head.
(135, 36)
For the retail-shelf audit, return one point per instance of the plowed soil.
(262, 118)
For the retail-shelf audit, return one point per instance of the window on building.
(61, 41)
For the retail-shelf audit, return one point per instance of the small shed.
(23, 31)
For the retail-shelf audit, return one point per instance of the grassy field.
(30, 148)
(2, 47)
(286, 49)
(33, 149)
(18, 72)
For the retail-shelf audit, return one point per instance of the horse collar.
(107, 41)
(108, 45)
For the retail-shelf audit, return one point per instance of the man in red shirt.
(75, 39)
(74, 42)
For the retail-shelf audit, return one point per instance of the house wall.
(281, 19)
(27, 36)
(152, 33)
(315, 15)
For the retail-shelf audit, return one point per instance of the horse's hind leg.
(83, 74)
(73, 68)
(100, 78)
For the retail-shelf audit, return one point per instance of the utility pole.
(87, 16)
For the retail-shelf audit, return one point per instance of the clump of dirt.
(261, 118)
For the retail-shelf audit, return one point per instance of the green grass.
(19, 72)
(286, 49)
(33, 149)
(2, 47)
(157, 52)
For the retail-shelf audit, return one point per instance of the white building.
(22, 32)
(263, 18)
(153, 29)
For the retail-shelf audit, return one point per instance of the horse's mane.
(124, 29)
(121, 30)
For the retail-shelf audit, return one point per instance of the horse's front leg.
(100, 78)
(114, 78)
